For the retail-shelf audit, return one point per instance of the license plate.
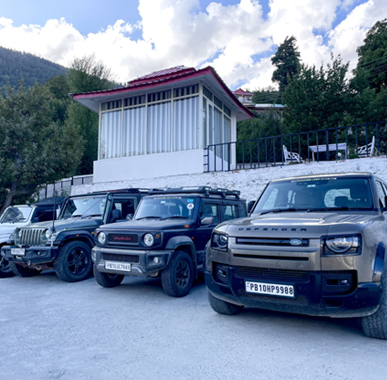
(18, 251)
(270, 289)
(114, 265)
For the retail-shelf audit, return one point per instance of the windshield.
(84, 207)
(16, 214)
(316, 194)
(166, 208)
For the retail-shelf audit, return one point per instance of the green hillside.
(15, 65)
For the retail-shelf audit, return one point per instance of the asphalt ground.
(51, 329)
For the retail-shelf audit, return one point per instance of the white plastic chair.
(366, 150)
(291, 156)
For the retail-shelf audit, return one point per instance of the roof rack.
(131, 190)
(206, 190)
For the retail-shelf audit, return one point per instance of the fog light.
(93, 256)
(156, 260)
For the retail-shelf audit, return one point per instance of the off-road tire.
(223, 307)
(5, 268)
(375, 325)
(73, 262)
(108, 280)
(178, 278)
(21, 271)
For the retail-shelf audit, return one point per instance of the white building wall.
(249, 182)
(148, 166)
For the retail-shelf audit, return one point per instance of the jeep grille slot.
(122, 258)
(272, 274)
(271, 242)
(123, 238)
(31, 236)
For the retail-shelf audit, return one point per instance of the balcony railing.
(362, 140)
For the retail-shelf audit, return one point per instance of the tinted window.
(230, 212)
(211, 209)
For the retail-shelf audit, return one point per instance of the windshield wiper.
(175, 216)
(342, 208)
(290, 209)
(91, 216)
(149, 217)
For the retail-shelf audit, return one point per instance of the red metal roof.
(158, 78)
(242, 92)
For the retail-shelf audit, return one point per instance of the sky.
(236, 37)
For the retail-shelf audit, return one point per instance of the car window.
(211, 209)
(381, 194)
(230, 212)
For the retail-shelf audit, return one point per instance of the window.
(159, 128)
(211, 209)
(111, 105)
(110, 135)
(381, 194)
(207, 93)
(185, 121)
(230, 212)
(134, 132)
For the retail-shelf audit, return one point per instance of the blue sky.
(236, 37)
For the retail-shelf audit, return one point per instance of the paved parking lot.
(56, 330)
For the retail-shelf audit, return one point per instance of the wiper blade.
(329, 209)
(290, 209)
(91, 216)
(149, 217)
(175, 217)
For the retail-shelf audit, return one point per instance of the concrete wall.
(147, 167)
(249, 182)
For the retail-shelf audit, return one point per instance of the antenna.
(53, 217)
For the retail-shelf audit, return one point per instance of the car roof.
(329, 175)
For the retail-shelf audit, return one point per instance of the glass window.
(381, 194)
(204, 123)
(16, 214)
(134, 132)
(185, 121)
(110, 135)
(84, 207)
(230, 212)
(211, 209)
(159, 128)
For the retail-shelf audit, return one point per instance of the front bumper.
(141, 261)
(317, 293)
(33, 255)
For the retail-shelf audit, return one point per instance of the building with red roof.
(161, 124)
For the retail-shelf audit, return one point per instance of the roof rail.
(206, 190)
(130, 190)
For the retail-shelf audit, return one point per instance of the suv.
(66, 244)
(22, 215)
(166, 238)
(312, 245)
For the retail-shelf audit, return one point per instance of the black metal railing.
(63, 187)
(362, 140)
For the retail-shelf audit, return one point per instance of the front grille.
(272, 274)
(121, 258)
(123, 238)
(271, 242)
(31, 236)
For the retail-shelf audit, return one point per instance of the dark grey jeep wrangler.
(166, 238)
(313, 245)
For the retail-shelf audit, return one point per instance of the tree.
(287, 61)
(35, 150)
(373, 56)
(267, 95)
(84, 75)
(318, 98)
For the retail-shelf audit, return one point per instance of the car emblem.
(295, 241)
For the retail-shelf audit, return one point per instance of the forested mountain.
(15, 65)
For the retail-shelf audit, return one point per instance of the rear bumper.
(33, 255)
(316, 293)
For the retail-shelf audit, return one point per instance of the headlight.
(219, 242)
(343, 244)
(149, 240)
(102, 238)
(48, 234)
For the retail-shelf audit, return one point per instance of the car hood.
(298, 223)
(71, 223)
(148, 225)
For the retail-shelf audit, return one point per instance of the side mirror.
(129, 217)
(207, 219)
(250, 205)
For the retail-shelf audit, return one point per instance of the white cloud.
(237, 40)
